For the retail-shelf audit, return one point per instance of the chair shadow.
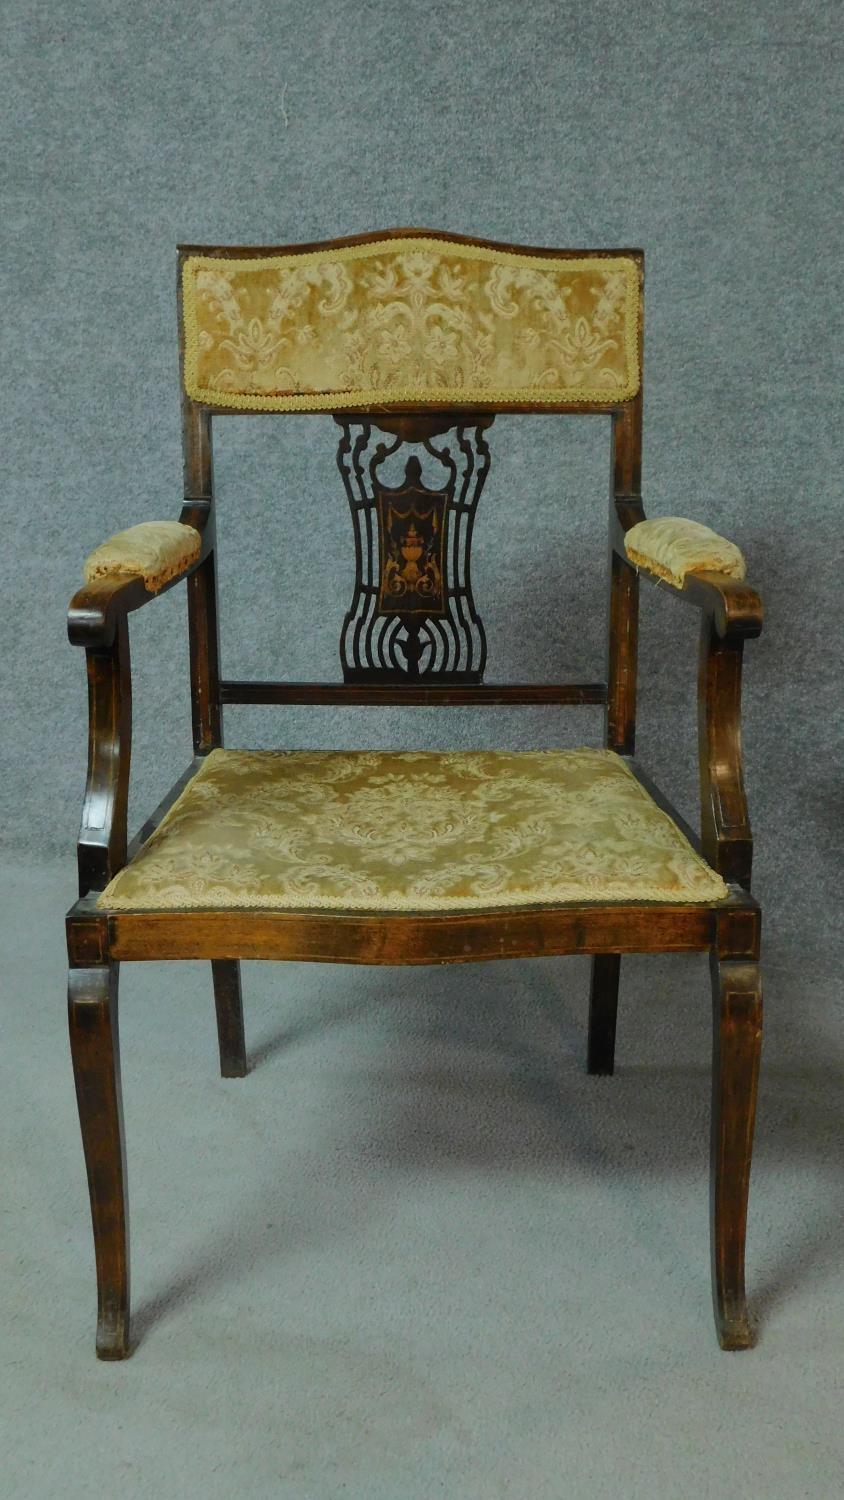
(306, 1028)
(489, 1072)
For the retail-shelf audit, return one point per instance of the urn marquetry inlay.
(412, 614)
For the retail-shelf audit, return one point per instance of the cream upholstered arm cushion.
(671, 547)
(154, 550)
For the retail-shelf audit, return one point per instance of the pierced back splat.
(412, 614)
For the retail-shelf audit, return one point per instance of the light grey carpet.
(417, 1252)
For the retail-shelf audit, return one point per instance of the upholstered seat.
(402, 831)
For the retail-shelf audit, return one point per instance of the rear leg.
(603, 1013)
(229, 1004)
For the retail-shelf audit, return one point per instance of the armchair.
(413, 339)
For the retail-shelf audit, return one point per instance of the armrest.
(701, 567)
(707, 571)
(133, 567)
(97, 609)
(125, 573)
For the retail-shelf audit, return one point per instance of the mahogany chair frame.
(99, 940)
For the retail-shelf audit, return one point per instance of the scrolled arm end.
(734, 606)
(97, 607)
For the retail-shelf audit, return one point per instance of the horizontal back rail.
(414, 695)
(403, 232)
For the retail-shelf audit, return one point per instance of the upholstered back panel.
(414, 321)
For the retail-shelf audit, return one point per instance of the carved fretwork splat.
(412, 614)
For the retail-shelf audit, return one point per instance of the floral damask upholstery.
(671, 547)
(153, 550)
(401, 831)
(416, 320)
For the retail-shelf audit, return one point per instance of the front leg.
(92, 1008)
(737, 1039)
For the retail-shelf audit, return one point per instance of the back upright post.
(622, 652)
(202, 585)
(206, 709)
(622, 646)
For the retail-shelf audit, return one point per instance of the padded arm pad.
(155, 551)
(671, 547)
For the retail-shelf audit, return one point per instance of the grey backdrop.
(708, 133)
(704, 133)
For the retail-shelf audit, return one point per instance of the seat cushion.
(671, 547)
(409, 831)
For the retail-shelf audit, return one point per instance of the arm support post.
(726, 838)
(101, 849)
(731, 613)
(98, 620)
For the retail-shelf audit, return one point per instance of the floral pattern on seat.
(401, 831)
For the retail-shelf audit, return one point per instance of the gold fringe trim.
(648, 896)
(677, 581)
(153, 582)
(652, 566)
